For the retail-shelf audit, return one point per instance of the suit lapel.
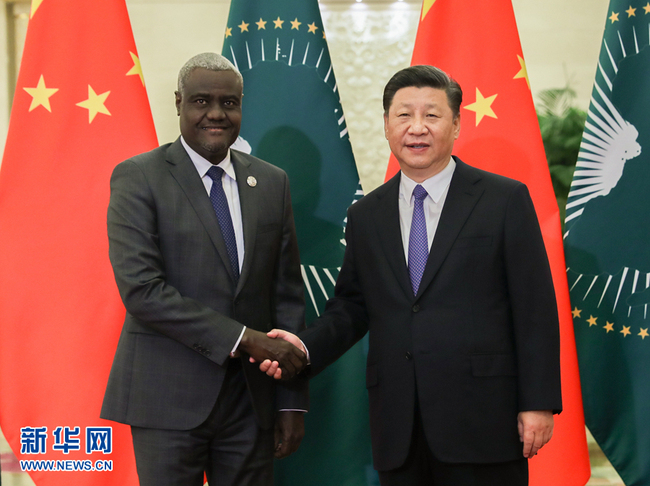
(389, 233)
(183, 170)
(249, 198)
(462, 196)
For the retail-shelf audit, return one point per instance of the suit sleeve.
(140, 272)
(534, 307)
(290, 304)
(345, 320)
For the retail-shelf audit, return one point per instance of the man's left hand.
(289, 431)
(535, 429)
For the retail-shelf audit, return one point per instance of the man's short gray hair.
(206, 60)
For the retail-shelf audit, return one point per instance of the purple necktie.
(220, 205)
(418, 241)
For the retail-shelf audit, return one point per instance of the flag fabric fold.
(477, 43)
(80, 107)
(292, 117)
(606, 241)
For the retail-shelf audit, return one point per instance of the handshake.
(280, 353)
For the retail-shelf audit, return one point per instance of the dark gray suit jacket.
(184, 314)
(479, 344)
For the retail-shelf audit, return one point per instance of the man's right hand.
(262, 348)
(274, 368)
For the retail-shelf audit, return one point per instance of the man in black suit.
(204, 251)
(445, 267)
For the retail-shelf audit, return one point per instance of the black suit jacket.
(184, 313)
(480, 342)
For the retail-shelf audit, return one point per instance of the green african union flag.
(607, 244)
(292, 117)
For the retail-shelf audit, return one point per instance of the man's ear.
(386, 126)
(179, 98)
(457, 127)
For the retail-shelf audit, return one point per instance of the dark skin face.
(210, 112)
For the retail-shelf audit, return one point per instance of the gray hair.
(206, 60)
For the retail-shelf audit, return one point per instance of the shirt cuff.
(232, 353)
(306, 351)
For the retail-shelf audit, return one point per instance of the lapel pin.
(251, 181)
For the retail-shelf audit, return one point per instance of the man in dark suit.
(445, 267)
(203, 247)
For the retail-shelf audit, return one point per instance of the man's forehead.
(201, 78)
(411, 95)
(419, 90)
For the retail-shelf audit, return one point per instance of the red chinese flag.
(477, 43)
(80, 108)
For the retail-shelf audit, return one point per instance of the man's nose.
(417, 126)
(215, 111)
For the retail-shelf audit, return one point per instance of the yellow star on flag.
(576, 312)
(261, 24)
(426, 6)
(482, 106)
(631, 12)
(312, 28)
(95, 104)
(626, 331)
(35, 5)
(278, 23)
(228, 32)
(295, 24)
(643, 333)
(647, 8)
(137, 68)
(41, 95)
(609, 326)
(243, 26)
(592, 320)
(523, 72)
(613, 17)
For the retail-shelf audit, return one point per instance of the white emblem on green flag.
(607, 244)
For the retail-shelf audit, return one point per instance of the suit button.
(416, 308)
(409, 356)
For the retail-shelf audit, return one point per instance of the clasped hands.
(280, 358)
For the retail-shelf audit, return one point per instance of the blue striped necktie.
(220, 205)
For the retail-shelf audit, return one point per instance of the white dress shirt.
(437, 187)
(229, 182)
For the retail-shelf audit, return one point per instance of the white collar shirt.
(437, 187)
(229, 182)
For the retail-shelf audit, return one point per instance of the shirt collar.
(203, 165)
(434, 185)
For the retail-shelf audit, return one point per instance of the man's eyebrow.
(409, 104)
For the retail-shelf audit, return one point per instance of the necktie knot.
(420, 192)
(215, 173)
